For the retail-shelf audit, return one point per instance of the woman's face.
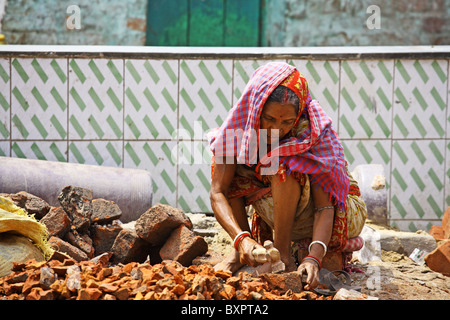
(277, 116)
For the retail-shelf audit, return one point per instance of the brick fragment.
(89, 294)
(128, 247)
(81, 241)
(437, 232)
(156, 224)
(183, 246)
(103, 237)
(31, 203)
(446, 223)
(77, 202)
(439, 259)
(65, 247)
(105, 211)
(57, 222)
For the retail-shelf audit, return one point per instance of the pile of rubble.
(83, 227)
(96, 279)
(156, 257)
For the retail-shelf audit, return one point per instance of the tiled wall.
(125, 112)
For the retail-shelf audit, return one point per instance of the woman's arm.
(323, 220)
(231, 215)
(322, 229)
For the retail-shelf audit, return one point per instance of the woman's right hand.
(246, 246)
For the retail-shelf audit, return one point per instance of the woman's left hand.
(312, 271)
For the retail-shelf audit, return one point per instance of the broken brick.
(128, 246)
(103, 237)
(77, 202)
(183, 246)
(63, 246)
(89, 294)
(57, 222)
(31, 203)
(104, 211)
(156, 224)
(446, 223)
(81, 241)
(439, 259)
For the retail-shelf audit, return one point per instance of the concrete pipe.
(372, 184)
(131, 189)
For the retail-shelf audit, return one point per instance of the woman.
(278, 153)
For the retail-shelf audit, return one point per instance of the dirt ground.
(396, 277)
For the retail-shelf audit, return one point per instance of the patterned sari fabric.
(311, 153)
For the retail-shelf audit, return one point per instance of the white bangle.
(319, 242)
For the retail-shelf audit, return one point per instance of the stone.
(77, 202)
(183, 246)
(103, 236)
(57, 222)
(47, 277)
(128, 246)
(405, 242)
(65, 247)
(439, 259)
(104, 211)
(156, 224)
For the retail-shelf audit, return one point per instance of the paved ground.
(396, 277)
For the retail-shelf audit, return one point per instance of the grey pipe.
(131, 189)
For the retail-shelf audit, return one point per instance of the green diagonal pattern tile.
(37, 67)
(151, 99)
(134, 73)
(59, 100)
(95, 153)
(403, 72)
(77, 70)
(76, 125)
(57, 153)
(100, 77)
(20, 98)
(132, 153)
(20, 126)
(114, 153)
(37, 95)
(39, 126)
(16, 64)
(77, 154)
(96, 126)
(134, 129)
(421, 71)
(61, 74)
(37, 152)
(4, 75)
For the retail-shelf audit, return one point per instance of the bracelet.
(319, 242)
(239, 237)
(323, 208)
(314, 259)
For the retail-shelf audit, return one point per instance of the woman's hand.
(246, 246)
(311, 269)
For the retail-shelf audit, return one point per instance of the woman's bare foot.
(231, 263)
